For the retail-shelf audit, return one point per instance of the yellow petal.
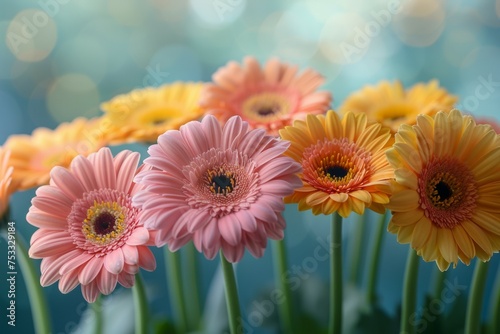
(447, 245)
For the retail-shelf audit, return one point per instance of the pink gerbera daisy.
(89, 232)
(220, 187)
(268, 98)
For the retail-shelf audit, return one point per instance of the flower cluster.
(226, 156)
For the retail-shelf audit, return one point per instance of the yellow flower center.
(395, 112)
(265, 106)
(220, 181)
(155, 116)
(105, 222)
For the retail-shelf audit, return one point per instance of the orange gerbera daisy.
(343, 161)
(6, 186)
(392, 105)
(144, 114)
(268, 98)
(447, 188)
(33, 156)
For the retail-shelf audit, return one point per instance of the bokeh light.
(31, 35)
(73, 95)
(420, 22)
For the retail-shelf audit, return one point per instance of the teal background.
(60, 58)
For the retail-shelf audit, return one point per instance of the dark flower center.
(220, 181)
(268, 110)
(443, 190)
(336, 172)
(104, 223)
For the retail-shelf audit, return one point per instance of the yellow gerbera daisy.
(447, 188)
(343, 161)
(392, 105)
(33, 156)
(144, 114)
(6, 185)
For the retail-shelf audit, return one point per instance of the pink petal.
(194, 138)
(232, 132)
(130, 254)
(212, 130)
(140, 236)
(271, 153)
(232, 253)
(254, 248)
(261, 210)
(131, 269)
(276, 203)
(74, 263)
(247, 220)
(50, 243)
(147, 260)
(114, 261)
(104, 168)
(90, 271)
(279, 167)
(55, 194)
(90, 292)
(198, 221)
(125, 168)
(41, 219)
(230, 230)
(277, 187)
(106, 281)
(50, 267)
(84, 171)
(68, 281)
(211, 235)
(66, 182)
(126, 280)
(53, 206)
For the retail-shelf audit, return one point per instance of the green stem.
(141, 306)
(356, 249)
(193, 291)
(409, 291)
(439, 279)
(285, 307)
(97, 308)
(174, 279)
(232, 301)
(495, 309)
(475, 303)
(335, 326)
(371, 295)
(39, 307)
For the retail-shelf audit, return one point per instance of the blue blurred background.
(61, 58)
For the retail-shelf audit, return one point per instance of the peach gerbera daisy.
(33, 156)
(343, 161)
(221, 187)
(89, 232)
(268, 98)
(392, 105)
(446, 190)
(6, 186)
(144, 114)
